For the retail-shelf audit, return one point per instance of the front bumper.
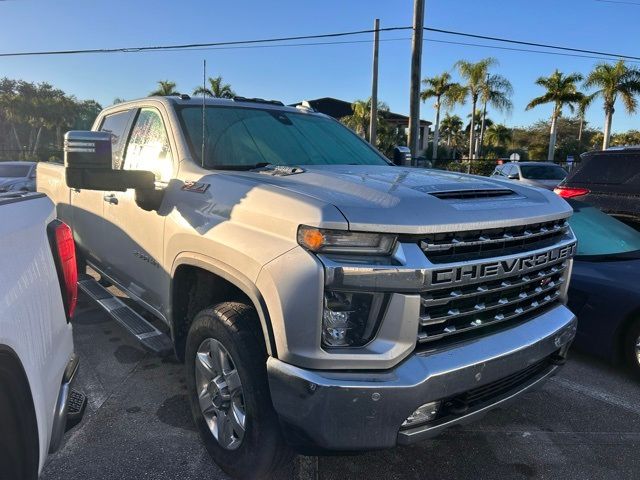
(364, 410)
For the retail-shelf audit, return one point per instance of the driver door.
(137, 235)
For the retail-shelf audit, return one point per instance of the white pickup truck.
(38, 293)
(320, 296)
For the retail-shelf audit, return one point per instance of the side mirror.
(89, 165)
(513, 176)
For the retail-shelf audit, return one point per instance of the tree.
(444, 91)
(561, 92)
(613, 80)
(498, 135)
(496, 91)
(216, 89)
(165, 89)
(583, 106)
(475, 75)
(451, 129)
(358, 121)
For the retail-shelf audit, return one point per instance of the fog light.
(423, 414)
(350, 319)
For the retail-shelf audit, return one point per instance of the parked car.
(538, 174)
(17, 176)
(37, 364)
(610, 180)
(605, 291)
(320, 296)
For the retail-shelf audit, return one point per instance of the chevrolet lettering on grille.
(462, 275)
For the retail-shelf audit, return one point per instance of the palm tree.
(496, 91)
(445, 92)
(475, 75)
(498, 135)
(451, 129)
(613, 80)
(561, 91)
(583, 106)
(358, 121)
(165, 89)
(216, 89)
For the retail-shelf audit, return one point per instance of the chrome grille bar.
(499, 318)
(506, 236)
(438, 298)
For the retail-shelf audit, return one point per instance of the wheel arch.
(621, 334)
(230, 282)
(12, 372)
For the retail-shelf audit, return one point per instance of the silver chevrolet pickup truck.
(319, 296)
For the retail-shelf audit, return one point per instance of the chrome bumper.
(337, 410)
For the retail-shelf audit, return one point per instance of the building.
(339, 109)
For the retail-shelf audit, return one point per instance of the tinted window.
(116, 124)
(601, 234)
(14, 170)
(616, 168)
(243, 137)
(148, 148)
(543, 172)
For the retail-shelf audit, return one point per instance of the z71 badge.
(195, 187)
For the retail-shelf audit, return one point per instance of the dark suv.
(609, 180)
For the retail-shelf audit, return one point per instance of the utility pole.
(416, 71)
(373, 121)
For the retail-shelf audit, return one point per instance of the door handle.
(76, 190)
(111, 198)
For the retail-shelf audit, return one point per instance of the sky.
(295, 73)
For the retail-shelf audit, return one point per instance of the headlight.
(351, 319)
(321, 240)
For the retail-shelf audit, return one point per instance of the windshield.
(599, 233)
(238, 137)
(543, 172)
(14, 170)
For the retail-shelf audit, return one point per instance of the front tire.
(229, 392)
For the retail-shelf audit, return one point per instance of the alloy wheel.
(220, 394)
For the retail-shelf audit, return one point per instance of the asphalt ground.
(583, 424)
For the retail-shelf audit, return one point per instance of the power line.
(528, 50)
(277, 42)
(432, 40)
(195, 45)
(531, 44)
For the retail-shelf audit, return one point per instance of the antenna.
(204, 87)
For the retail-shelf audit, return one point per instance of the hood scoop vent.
(472, 194)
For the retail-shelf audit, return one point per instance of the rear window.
(543, 172)
(612, 169)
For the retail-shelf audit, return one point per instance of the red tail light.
(568, 192)
(64, 254)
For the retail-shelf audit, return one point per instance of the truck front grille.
(464, 303)
(474, 244)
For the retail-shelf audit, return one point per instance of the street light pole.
(373, 120)
(416, 72)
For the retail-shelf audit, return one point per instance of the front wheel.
(229, 391)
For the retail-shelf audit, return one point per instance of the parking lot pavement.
(584, 423)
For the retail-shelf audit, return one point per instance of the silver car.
(17, 176)
(538, 174)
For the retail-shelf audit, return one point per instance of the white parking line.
(606, 397)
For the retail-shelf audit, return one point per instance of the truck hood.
(411, 200)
